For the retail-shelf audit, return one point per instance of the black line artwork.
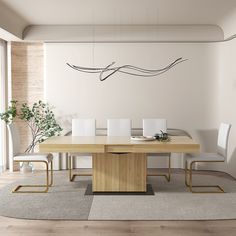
(125, 69)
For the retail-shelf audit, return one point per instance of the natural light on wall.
(2, 102)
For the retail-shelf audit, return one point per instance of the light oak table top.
(102, 144)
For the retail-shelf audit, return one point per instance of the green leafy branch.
(39, 118)
(11, 112)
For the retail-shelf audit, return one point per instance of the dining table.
(119, 164)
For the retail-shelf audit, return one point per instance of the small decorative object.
(125, 69)
(163, 137)
(39, 118)
(143, 138)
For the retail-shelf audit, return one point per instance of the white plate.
(143, 138)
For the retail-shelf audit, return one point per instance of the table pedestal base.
(89, 191)
(124, 172)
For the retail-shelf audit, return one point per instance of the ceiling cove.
(118, 21)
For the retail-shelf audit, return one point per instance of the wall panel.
(27, 79)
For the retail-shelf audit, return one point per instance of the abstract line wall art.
(106, 72)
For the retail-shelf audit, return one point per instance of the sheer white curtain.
(3, 75)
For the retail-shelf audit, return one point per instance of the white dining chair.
(81, 127)
(118, 127)
(154, 126)
(219, 156)
(150, 128)
(30, 157)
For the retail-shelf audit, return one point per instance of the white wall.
(227, 99)
(186, 95)
(225, 86)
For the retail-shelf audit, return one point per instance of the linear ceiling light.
(109, 70)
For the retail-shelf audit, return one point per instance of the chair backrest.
(83, 127)
(118, 127)
(154, 126)
(15, 138)
(223, 137)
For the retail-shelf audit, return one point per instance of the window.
(3, 57)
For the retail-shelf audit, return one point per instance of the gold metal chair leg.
(189, 182)
(169, 170)
(17, 189)
(51, 171)
(71, 175)
(186, 173)
(167, 176)
(69, 165)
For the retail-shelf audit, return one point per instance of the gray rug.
(172, 201)
(64, 201)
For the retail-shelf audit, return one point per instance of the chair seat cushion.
(33, 157)
(203, 157)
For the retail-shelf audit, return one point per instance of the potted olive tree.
(39, 118)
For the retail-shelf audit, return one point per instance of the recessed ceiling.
(18, 15)
(74, 12)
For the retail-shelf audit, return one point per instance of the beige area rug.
(172, 201)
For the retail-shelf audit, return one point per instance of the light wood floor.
(13, 227)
